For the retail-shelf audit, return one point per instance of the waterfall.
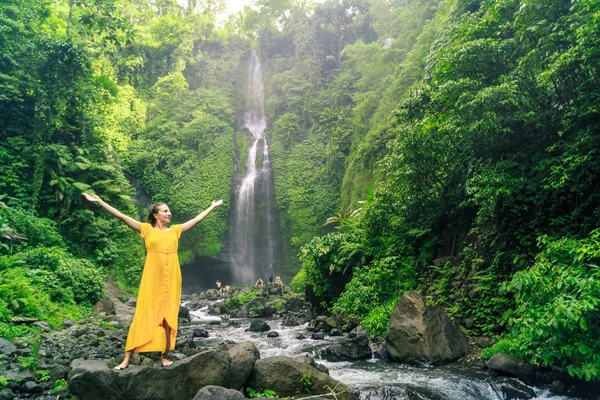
(253, 247)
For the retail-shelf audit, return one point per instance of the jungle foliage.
(448, 146)
(486, 173)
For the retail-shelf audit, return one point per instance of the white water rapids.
(375, 379)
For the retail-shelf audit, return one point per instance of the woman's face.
(163, 215)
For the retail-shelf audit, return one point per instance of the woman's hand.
(216, 203)
(186, 226)
(92, 197)
(132, 223)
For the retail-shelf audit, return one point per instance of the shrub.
(376, 283)
(299, 282)
(503, 346)
(59, 384)
(557, 318)
(22, 295)
(378, 319)
(241, 299)
(38, 231)
(65, 277)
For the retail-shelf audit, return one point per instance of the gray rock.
(468, 322)
(293, 319)
(283, 375)
(505, 364)
(318, 336)
(33, 387)
(18, 374)
(43, 325)
(203, 333)
(325, 323)
(58, 372)
(419, 334)
(335, 332)
(184, 313)
(259, 326)
(67, 323)
(272, 334)
(218, 393)
(308, 359)
(513, 389)
(243, 356)
(352, 349)
(104, 307)
(7, 394)
(296, 303)
(25, 352)
(6, 347)
(94, 380)
(401, 393)
(78, 331)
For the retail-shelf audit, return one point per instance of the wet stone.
(7, 394)
(33, 387)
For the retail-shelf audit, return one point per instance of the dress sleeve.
(145, 229)
(177, 229)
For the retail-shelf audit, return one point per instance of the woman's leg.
(163, 358)
(125, 362)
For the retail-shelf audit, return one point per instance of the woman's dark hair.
(154, 210)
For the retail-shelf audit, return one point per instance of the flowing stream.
(254, 240)
(375, 379)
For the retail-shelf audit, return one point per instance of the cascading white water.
(254, 238)
(374, 379)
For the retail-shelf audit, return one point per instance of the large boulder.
(505, 364)
(218, 393)
(287, 376)
(95, 380)
(243, 356)
(420, 334)
(350, 349)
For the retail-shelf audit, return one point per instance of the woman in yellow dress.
(154, 326)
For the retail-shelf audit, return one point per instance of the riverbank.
(277, 325)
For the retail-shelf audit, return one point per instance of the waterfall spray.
(254, 245)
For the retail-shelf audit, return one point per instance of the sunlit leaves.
(556, 318)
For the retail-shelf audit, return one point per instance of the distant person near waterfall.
(279, 283)
(154, 326)
(259, 284)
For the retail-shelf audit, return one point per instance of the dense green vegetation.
(487, 189)
(122, 99)
(448, 146)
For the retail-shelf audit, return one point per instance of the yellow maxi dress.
(159, 296)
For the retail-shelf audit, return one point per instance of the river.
(375, 379)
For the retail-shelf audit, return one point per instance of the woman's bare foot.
(122, 366)
(165, 362)
(125, 363)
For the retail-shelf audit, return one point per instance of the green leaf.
(81, 186)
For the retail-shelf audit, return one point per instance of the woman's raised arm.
(186, 226)
(132, 223)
